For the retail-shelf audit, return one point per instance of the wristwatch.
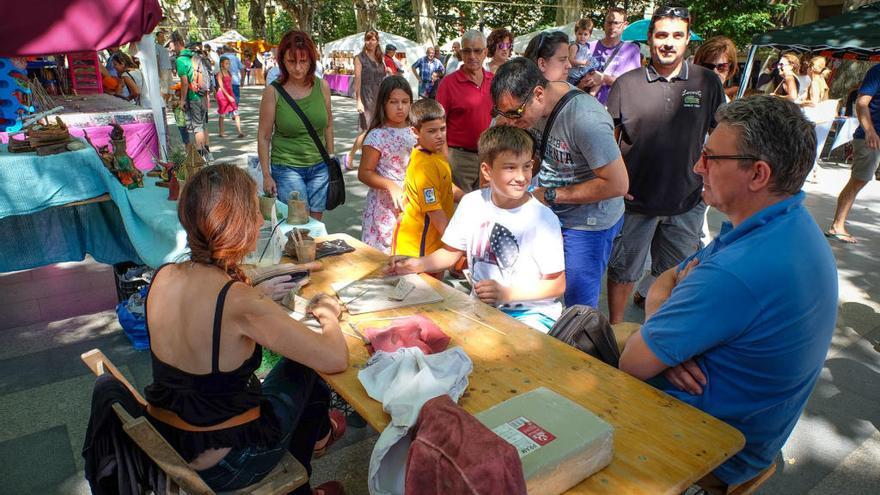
(550, 196)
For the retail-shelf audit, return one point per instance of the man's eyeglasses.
(513, 114)
(468, 51)
(609, 22)
(722, 67)
(705, 157)
(670, 11)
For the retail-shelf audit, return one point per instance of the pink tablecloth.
(340, 84)
(141, 138)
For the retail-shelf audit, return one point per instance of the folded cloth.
(402, 381)
(452, 452)
(415, 331)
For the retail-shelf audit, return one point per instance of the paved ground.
(50, 315)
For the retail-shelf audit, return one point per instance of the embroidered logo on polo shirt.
(430, 197)
(691, 98)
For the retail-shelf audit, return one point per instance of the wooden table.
(661, 445)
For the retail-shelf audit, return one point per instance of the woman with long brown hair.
(207, 326)
(369, 70)
(289, 158)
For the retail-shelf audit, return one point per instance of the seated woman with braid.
(207, 326)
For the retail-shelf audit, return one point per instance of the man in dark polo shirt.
(662, 114)
(465, 96)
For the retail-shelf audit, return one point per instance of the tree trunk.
(568, 11)
(201, 12)
(426, 30)
(256, 14)
(367, 14)
(302, 11)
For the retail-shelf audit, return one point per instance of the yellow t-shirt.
(428, 187)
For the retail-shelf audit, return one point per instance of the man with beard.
(662, 115)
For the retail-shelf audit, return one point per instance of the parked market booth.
(854, 35)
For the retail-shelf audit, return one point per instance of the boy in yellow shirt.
(428, 185)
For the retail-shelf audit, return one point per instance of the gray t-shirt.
(582, 140)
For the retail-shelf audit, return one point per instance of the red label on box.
(539, 435)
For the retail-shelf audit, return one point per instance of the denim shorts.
(300, 400)
(311, 182)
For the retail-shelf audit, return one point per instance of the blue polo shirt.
(757, 312)
(871, 87)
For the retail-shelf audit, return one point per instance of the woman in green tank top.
(289, 159)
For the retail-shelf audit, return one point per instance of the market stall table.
(138, 225)
(95, 113)
(340, 84)
(661, 445)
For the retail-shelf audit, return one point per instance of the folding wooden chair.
(287, 475)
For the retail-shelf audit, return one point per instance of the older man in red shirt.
(465, 96)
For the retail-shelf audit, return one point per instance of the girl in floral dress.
(384, 159)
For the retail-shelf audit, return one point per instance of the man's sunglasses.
(670, 11)
(722, 67)
(513, 114)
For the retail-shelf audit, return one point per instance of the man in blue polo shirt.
(740, 329)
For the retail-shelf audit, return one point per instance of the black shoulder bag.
(336, 187)
(552, 118)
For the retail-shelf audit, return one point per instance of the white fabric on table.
(403, 381)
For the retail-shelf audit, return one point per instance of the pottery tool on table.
(475, 320)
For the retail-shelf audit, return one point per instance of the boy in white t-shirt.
(513, 242)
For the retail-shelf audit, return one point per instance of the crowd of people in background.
(576, 164)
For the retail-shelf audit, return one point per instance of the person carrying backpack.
(194, 88)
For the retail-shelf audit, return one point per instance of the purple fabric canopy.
(43, 27)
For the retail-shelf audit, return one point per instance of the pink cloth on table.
(415, 331)
(339, 82)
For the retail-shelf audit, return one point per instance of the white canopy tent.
(230, 36)
(355, 43)
(521, 42)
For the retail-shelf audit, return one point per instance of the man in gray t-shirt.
(582, 176)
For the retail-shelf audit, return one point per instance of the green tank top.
(291, 144)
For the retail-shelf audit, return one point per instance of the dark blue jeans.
(301, 400)
(586, 257)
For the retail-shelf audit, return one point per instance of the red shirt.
(468, 108)
(389, 62)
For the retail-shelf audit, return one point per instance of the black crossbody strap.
(613, 54)
(314, 134)
(552, 118)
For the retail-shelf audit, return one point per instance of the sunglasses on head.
(722, 67)
(670, 11)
